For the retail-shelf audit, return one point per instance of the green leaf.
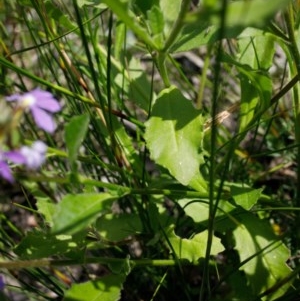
(239, 14)
(114, 227)
(121, 9)
(120, 36)
(192, 249)
(202, 27)
(259, 79)
(136, 84)
(245, 196)
(256, 49)
(107, 288)
(117, 227)
(47, 208)
(241, 291)
(195, 35)
(126, 143)
(174, 135)
(256, 91)
(123, 267)
(198, 210)
(155, 19)
(37, 245)
(253, 13)
(170, 11)
(53, 11)
(249, 101)
(75, 132)
(139, 86)
(255, 238)
(144, 6)
(76, 212)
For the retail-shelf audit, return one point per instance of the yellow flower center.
(27, 101)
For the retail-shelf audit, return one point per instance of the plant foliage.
(173, 173)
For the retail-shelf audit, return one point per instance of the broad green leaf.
(244, 196)
(114, 227)
(37, 245)
(107, 288)
(193, 249)
(255, 238)
(174, 135)
(76, 212)
(256, 49)
(198, 210)
(75, 132)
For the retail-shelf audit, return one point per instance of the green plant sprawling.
(150, 150)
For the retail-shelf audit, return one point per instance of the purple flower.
(42, 105)
(35, 155)
(13, 156)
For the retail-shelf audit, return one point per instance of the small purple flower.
(42, 105)
(35, 155)
(13, 156)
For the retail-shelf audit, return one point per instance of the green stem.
(119, 188)
(40, 263)
(203, 80)
(161, 65)
(162, 55)
(293, 43)
(177, 25)
(213, 200)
